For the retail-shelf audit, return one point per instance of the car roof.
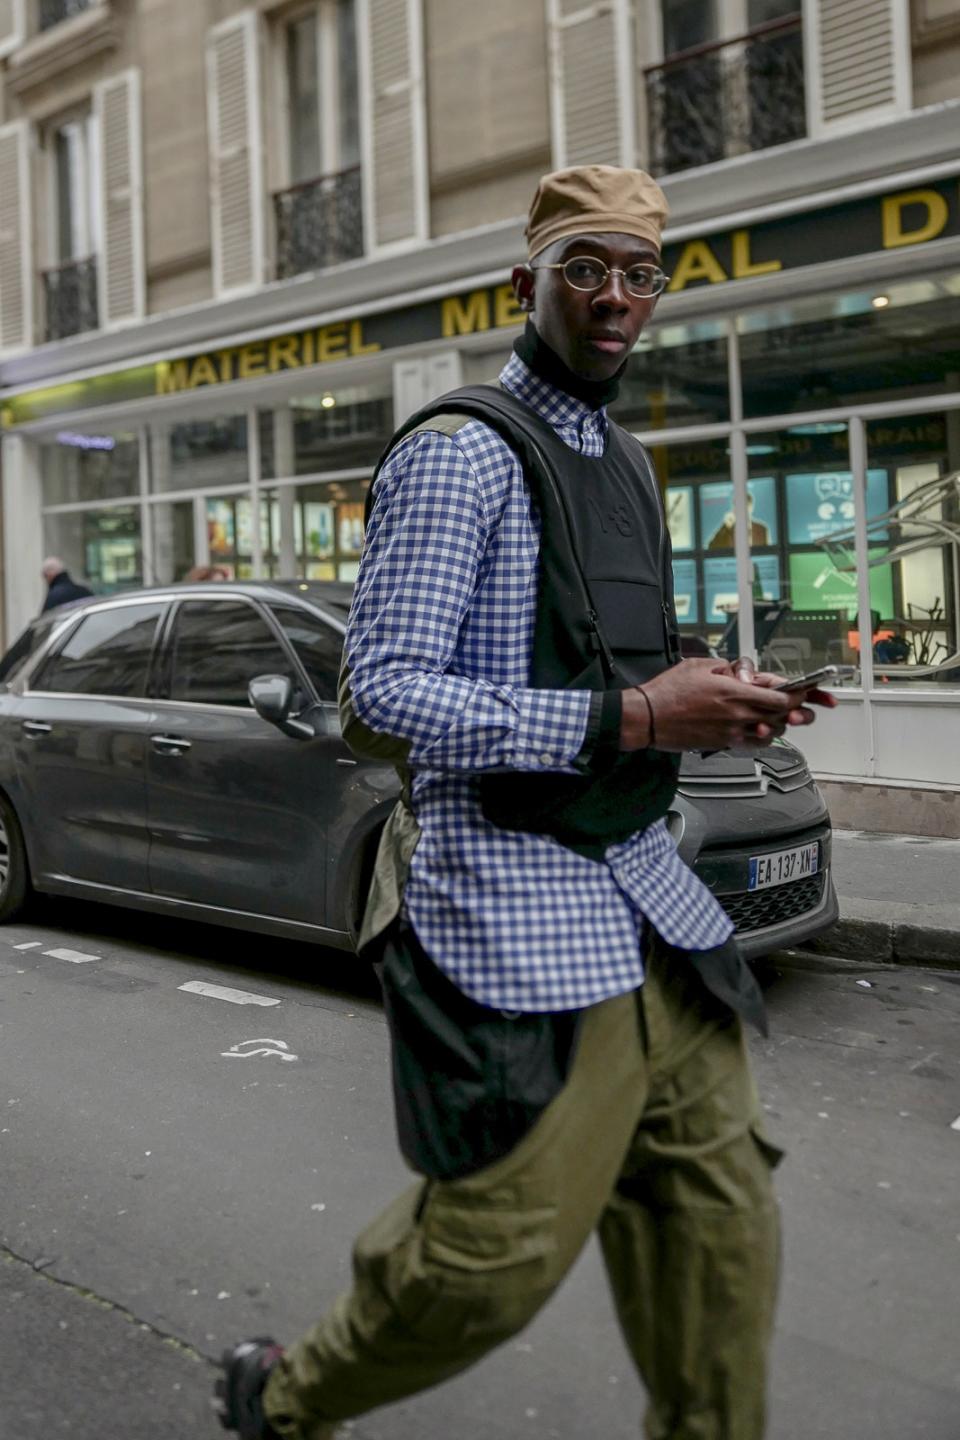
(332, 594)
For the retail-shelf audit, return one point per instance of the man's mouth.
(608, 341)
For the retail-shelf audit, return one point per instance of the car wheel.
(14, 872)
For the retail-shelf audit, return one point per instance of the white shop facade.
(799, 389)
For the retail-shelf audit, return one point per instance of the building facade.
(239, 242)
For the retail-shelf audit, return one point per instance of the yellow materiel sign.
(341, 341)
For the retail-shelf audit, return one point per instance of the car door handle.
(169, 744)
(345, 760)
(36, 727)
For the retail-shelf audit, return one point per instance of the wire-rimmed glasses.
(583, 272)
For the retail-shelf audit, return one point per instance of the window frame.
(83, 116)
(732, 17)
(60, 637)
(289, 603)
(325, 14)
(164, 669)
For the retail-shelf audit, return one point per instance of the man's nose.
(613, 293)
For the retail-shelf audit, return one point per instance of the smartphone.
(815, 677)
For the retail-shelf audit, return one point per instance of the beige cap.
(595, 199)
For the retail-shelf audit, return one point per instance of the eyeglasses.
(582, 272)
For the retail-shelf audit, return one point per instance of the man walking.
(562, 992)
(61, 588)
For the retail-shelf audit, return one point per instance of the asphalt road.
(179, 1170)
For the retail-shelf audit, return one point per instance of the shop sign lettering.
(858, 227)
(480, 310)
(342, 341)
(914, 217)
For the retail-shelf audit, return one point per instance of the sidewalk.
(899, 900)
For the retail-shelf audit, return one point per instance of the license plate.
(782, 866)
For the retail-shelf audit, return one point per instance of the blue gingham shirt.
(439, 643)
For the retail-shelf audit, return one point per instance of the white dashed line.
(29, 945)
(223, 992)
(76, 957)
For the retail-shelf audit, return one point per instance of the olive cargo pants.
(654, 1141)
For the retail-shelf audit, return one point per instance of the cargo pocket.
(487, 1263)
(771, 1153)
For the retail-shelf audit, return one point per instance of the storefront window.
(172, 527)
(100, 548)
(199, 454)
(314, 531)
(330, 430)
(915, 549)
(676, 376)
(89, 465)
(805, 582)
(229, 523)
(705, 583)
(894, 342)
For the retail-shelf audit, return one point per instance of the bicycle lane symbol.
(264, 1046)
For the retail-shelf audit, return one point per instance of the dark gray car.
(135, 768)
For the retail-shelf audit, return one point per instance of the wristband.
(651, 743)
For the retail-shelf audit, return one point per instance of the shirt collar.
(555, 406)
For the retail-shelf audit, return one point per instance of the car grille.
(758, 909)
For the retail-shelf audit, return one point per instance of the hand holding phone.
(814, 678)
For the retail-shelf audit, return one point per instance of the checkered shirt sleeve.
(423, 564)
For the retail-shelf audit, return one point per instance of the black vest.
(605, 616)
(605, 620)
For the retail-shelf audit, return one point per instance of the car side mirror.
(273, 697)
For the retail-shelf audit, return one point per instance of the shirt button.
(546, 758)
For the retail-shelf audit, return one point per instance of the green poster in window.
(816, 584)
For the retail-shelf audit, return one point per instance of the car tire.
(14, 870)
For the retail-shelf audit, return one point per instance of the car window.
(317, 644)
(218, 647)
(107, 654)
(22, 647)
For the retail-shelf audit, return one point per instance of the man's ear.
(524, 284)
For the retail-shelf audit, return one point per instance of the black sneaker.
(246, 1369)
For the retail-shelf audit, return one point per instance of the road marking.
(29, 945)
(76, 957)
(955, 1124)
(223, 992)
(278, 1047)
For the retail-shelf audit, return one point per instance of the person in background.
(60, 587)
(206, 572)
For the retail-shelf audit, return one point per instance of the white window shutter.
(417, 382)
(442, 372)
(236, 161)
(857, 60)
(591, 82)
(121, 279)
(16, 246)
(13, 25)
(397, 187)
(409, 390)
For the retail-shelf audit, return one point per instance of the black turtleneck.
(537, 355)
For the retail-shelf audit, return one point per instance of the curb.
(889, 942)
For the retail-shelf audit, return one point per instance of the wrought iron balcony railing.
(70, 292)
(53, 11)
(319, 223)
(714, 101)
